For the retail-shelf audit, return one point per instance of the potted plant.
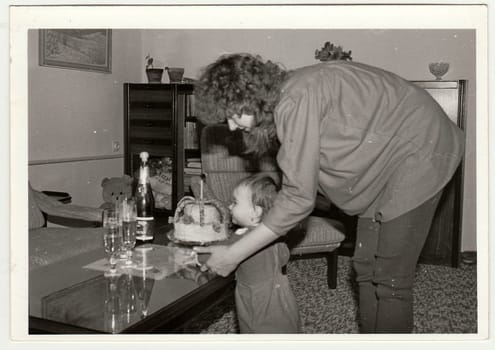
(175, 74)
(154, 74)
(330, 52)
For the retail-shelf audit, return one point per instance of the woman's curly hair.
(237, 84)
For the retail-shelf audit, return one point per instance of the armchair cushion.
(315, 234)
(51, 244)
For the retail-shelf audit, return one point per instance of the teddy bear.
(115, 189)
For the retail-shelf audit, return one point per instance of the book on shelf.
(192, 171)
(191, 135)
(193, 164)
(190, 106)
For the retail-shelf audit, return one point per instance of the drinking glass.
(128, 213)
(112, 238)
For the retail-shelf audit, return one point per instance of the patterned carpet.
(445, 301)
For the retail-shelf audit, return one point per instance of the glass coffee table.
(72, 296)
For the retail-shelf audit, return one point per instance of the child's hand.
(220, 262)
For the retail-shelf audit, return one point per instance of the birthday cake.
(200, 221)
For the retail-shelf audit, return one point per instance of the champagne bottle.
(145, 203)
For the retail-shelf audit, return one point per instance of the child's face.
(242, 208)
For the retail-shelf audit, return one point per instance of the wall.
(405, 52)
(74, 116)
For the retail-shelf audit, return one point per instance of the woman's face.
(245, 122)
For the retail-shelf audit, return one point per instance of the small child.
(264, 300)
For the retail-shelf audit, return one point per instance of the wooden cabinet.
(443, 243)
(158, 119)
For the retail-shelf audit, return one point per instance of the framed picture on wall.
(82, 49)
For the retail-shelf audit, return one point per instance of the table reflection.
(144, 283)
(127, 296)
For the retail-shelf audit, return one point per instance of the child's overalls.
(264, 300)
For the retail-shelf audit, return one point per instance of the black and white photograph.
(284, 172)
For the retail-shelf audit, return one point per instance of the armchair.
(50, 244)
(224, 166)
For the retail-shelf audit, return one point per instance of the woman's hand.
(221, 261)
(225, 258)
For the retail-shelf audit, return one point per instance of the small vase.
(439, 69)
(175, 74)
(154, 75)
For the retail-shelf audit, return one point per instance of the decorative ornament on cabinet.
(154, 74)
(439, 69)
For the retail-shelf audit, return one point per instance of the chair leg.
(332, 267)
